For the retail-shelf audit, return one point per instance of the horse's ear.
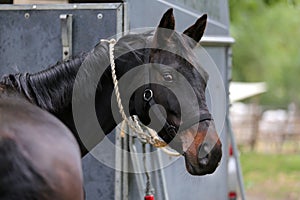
(196, 31)
(165, 28)
(167, 21)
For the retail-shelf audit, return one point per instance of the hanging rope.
(148, 136)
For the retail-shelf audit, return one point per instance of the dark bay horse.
(39, 157)
(164, 61)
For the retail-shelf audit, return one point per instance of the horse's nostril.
(204, 154)
(204, 161)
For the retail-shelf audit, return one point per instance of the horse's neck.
(53, 89)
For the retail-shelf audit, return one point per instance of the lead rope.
(133, 123)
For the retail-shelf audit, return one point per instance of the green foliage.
(269, 164)
(271, 176)
(267, 48)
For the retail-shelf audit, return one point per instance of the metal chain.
(133, 123)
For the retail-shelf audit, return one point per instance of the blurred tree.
(267, 47)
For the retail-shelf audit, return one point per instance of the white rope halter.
(133, 122)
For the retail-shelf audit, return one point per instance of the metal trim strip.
(85, 6)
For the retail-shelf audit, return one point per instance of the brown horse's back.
(39, 157)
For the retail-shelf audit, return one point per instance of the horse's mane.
(49, 96)
(52, 95)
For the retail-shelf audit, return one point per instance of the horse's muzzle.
(206, 164)
(209, 157)
(204, 152)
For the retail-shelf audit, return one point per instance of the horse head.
(172, 101)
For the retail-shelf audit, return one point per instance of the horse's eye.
(168, 77)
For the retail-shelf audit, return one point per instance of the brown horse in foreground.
(39, 157)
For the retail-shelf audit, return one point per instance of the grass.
(271, 176)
